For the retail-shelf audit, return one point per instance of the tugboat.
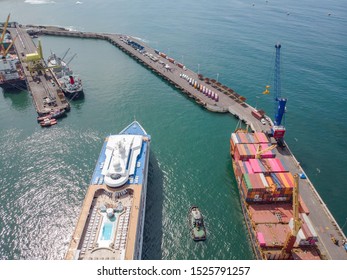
(196, 224)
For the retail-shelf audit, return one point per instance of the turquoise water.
(44, 173)
(107, 231)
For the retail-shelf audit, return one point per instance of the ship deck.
(93, 238)
(100, 237)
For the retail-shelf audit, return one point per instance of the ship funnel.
(72, 81)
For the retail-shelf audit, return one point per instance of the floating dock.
(228, 101)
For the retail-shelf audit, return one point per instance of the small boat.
(196, 224)
(53, 115)
(58, 114)
(48, 122)
(42, 118)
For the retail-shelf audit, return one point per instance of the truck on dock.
(258, 114)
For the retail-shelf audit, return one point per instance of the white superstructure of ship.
(111, 221)
(70, 83)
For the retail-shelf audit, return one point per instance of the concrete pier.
(229, 101)
(47, 97)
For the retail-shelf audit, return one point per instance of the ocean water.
(44, 173)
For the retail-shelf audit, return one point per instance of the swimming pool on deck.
(107, 231)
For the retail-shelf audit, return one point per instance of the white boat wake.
(39, 2)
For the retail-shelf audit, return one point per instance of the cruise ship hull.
(111, 221)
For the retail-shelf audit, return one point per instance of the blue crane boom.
(280, 103)
(278, 129)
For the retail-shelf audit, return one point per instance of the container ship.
(276, 217)
(111, 222)
(70, 83)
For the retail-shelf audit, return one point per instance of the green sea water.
(44, 173)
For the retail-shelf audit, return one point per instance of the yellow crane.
(35, 60)
(291, 237)
(260, 151)
(8, 48)
(4, 32)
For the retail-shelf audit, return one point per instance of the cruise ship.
(111, 222)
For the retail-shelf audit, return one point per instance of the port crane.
(259, 151)
(291, 237)
(278, 130)
(8, 48)
(36, 62)
(2, 49)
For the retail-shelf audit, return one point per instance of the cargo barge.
(111, 222)
(276, 217)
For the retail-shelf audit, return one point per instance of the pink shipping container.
(267, 154)
(246, 138)
(261, 239)
(248, 151)
(260, 137)
(257, 166)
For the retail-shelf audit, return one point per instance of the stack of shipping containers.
(266, 186)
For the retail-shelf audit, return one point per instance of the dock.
(47, 96)
(228, 102)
